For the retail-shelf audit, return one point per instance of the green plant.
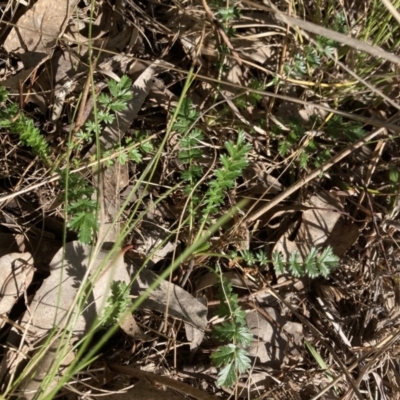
(80, 206)
(189, 151)
(108, 106)
(117, 304)
(232, 357)
(233, 164)
(81, 209)
(310, 58)
(226, 13)
(349, 131)
(16, 122)
(314, 265)
(252, 98)
(311, 151)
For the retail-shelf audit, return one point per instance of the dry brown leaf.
(37, 31)
(14, 82)
(319, 227)
(144, 390)
(181, 304)
(52, 302)
(30, 385)
(270, 344)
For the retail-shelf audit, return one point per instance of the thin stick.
(81, 113)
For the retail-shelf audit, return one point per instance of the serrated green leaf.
(295, 264)
(124, 85)
(147, 147)
(327, 261)
(262, 257)
(123, 158)
(225, 332)
(104, 99)
(242, 361)
(85, 224)
(105, 117)
(223, 355)
(227, 376)
(134, 155)
(310, 263)
(283, 147)
(117, 106)
(303, 159)
(83, 204)
(117, 303)
(394, 175)
(113, 87)
(243, 336)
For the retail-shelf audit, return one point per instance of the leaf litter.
(325, 214)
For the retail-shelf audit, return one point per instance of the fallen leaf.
(52, 302)
(211, 278)
(319, 226)
(181, 304)
(259, 181)
(270, 344)
(35, 36)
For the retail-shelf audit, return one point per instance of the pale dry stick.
(392, 10)
(301, 182)
(308, 26)
(81, 113)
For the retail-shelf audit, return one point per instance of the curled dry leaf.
(16, 273)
